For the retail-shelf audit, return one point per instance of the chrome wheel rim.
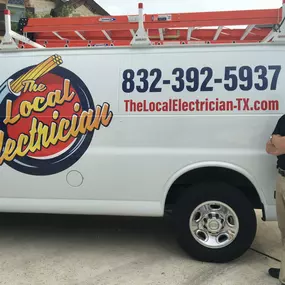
(214, 224)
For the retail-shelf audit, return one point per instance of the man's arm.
(277, 140)
(276, 145)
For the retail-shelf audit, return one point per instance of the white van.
(140, 131)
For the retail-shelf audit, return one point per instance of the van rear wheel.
(215, 222)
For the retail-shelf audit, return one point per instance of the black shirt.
(280, 130)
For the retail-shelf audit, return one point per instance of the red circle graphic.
(66, 110)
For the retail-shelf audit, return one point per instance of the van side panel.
(169, 108)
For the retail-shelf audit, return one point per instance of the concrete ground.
(39, 249)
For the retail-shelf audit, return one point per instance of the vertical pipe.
(141, 25)
(7, 22)
(283, 9)
(141, 37)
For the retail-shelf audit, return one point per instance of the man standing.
(276, 146)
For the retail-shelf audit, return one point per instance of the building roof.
(95, 8)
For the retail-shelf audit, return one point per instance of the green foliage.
(29, 14)
(46, 16)
(65, 11)
(14, 26)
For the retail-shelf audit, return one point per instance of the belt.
(281, 172)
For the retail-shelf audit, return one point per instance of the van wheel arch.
(212, 174)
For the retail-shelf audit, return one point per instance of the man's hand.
(272, 149)
(278, 142)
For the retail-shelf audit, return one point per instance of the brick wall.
(42, 7)
(82, 11)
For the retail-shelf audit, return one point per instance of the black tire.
(198, 194)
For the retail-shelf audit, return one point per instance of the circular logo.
(50, 118)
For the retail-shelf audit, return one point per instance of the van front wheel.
(215, 222)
